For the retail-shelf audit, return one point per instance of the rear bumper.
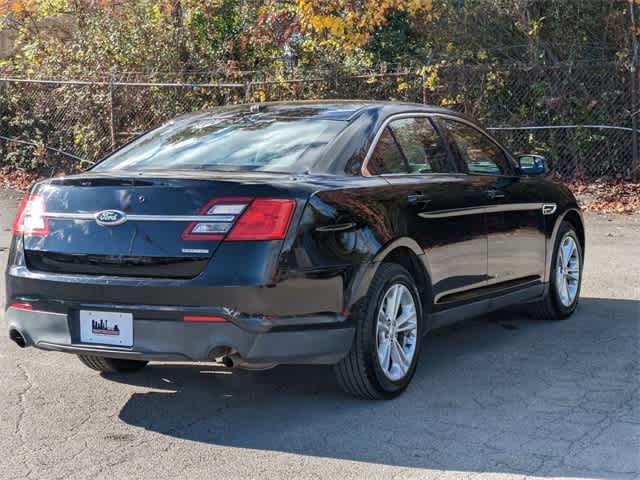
(317, 339)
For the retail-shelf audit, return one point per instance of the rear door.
(442, 209)
(515, 223)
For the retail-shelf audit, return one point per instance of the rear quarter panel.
(344, 231)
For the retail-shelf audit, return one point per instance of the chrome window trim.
(144, 218)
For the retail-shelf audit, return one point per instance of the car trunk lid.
(141, 225)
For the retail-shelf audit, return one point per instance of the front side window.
(410, 146)
(477, 151)
(226, 144)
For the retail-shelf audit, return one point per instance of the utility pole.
(635, 164)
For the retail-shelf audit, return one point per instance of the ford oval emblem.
(110, 218)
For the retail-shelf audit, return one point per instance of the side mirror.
(531, 164)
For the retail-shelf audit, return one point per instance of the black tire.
(359, 373)
(550, 307)
(112, 365)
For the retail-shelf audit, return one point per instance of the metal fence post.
(112, 127)
(635, 163)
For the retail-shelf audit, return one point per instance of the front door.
(515, 224)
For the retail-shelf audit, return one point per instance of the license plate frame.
(106, 328)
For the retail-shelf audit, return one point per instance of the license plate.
(107, 328)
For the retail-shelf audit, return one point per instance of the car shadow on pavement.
(503, 393)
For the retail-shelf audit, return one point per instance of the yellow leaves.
(259, 96)
(49, 8)
(155, 14)
(18, 7)
(536, 25)
(24, 8)
(352, 23)
(452, 101)
(430, 76)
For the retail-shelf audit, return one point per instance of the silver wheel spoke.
(395, 303)
(573, 275)
(408, 326)
(567, 250)
(407, 321)
(383, 326)
(400, 356)
(565, 289)
(384, 353)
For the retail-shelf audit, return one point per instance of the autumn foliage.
(516, 62)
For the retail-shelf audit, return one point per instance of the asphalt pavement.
(500, 397)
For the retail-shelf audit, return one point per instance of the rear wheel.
(385, 350)
(565, 280)
(112, 365)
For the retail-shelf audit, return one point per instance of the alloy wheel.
(396, 331)
(567, 271)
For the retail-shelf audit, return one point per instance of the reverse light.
(223, 211)
(30, 219)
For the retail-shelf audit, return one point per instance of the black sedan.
(316, 233)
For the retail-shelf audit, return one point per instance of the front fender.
(553, 235)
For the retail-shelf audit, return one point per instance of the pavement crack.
(18, 429)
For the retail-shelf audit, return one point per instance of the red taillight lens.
(265, 219)
(30, 219)
(22, 306)
(204, 318)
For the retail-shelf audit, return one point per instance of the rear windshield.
(227, 144)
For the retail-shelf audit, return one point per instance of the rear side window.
(480, 154)
(387, 157)
(410, 146)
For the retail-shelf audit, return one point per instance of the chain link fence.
(578, 116)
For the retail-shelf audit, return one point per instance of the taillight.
(242, 219)
(204, 318)
(30, 219)
(265, 219)
(22, 306)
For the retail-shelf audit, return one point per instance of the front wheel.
(385, 350)
(565, 280)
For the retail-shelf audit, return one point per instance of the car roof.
(344, 110)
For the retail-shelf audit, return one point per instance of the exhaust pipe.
(17, 337)
(228, 361)
(235, 361)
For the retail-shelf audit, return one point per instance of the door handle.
(494, 194)
(416, 198)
